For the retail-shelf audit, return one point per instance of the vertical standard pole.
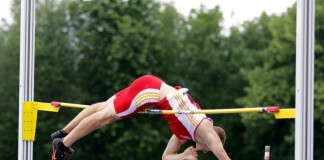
(26, 71)
(304, 80)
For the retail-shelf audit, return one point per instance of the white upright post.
(26, 71)
(304, 122)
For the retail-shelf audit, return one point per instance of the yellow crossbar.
(30, 110)
(279, 113)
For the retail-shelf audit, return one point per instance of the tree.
(9, 71)
(319, 75)
(269, 75)
(115, 41)
(87, 51)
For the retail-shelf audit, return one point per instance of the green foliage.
(88, 50)
(9, 74)
(319, 76)
(270, 82)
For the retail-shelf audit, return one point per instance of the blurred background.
(88, 50)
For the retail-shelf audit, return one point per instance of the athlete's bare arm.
(173, 147)
(206, 135)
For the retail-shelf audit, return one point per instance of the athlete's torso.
(182, 125)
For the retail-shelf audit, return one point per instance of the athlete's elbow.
(164, 157)
(220, 152)
(170, 156)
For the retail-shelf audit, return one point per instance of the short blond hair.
(221, 133)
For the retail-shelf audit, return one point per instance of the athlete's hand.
(190, 154)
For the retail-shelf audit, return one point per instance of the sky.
(234, 11)
(5, 9)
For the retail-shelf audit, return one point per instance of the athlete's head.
(221, 134)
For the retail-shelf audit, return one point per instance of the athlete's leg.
(85, 113)
(89, 119)
(104, 113)
(96, 120)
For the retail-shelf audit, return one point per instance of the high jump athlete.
(144, 92)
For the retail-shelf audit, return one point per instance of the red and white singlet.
(145, 92)
(182, 125)
(142, 93)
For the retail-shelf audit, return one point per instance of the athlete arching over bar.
(146, 91)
